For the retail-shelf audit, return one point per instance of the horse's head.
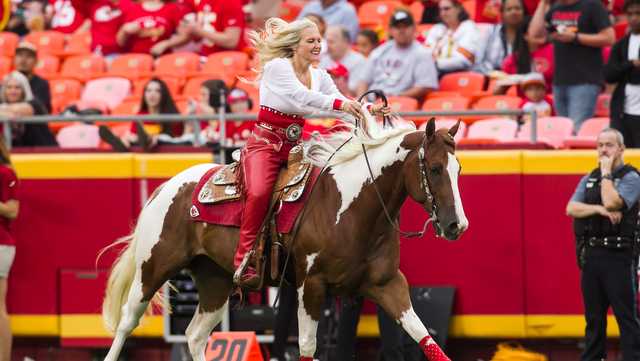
(434, 180)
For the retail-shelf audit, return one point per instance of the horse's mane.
(318, 149)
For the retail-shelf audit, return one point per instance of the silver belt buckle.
(293, 132)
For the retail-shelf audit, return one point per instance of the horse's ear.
(453, 130)
(430, 129)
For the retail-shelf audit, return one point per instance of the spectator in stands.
(156, 99)
(535, 99)
(9, 207)
(63, 16)
(340, 75)
(623, 69)
(26, 16)
(366, 41)
(25, 60)
(502, 38)
(239, 103)
(400, 66)
(579, 30)
(339, 52)
(530, 56)
(334, 12)
(147, 24)
(16, 101)
(217, 25)
(106, 17)
(261, 10)
(455, 40)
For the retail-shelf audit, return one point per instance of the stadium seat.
(465, 83)
(498, 129)
(497, 102)
(446, 103)
(289, 11)
(417, 9)
(128, 107)
(177, 64)
(402, 104)
(6, 63)
(587, 134)
(192, 88)
(78, 44)
(448, 123)
(110, 91)
(47, 66)
(8, 43)
(183, 106)
(376, 14)
(253, 92)
(550, 130)
(173, 83)
(64, 92)
(225, 65)
(83, 67)
(602, 105)
(78, 136)
(119, 130)
(131, 66)
(47, 42)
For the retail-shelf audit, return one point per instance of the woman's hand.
(131, 28)
(354, 108)
(380, 109)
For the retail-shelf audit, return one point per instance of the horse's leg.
(311, 296)
(132, 310)
(393, 297)
(214, 286)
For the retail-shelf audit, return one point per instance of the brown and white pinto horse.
(345, 244)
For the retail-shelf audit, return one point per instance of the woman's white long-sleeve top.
(281, 90)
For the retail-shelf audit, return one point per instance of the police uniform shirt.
(628, 188)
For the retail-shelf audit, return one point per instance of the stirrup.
(243, 280)
(237, 275)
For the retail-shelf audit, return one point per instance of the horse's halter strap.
(425, 187)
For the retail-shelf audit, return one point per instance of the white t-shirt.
(395, 69)
(281, 90)
(454, 50)
(632, 91)
(353, 61)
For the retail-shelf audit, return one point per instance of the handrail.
(224, 117)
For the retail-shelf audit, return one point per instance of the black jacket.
(41, 91)
(620, 70)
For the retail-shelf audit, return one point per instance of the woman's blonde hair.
(278, 39)
(24, 84)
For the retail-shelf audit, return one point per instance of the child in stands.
(535, 99)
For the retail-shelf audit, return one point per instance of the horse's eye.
(436, 170)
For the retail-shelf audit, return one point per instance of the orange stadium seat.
(374, 14)
(253, 92)
(47, 66)
(6, 64)
(8, 43)
(402, 104)
(110, 91)
(131, 66)
(177, 64)
(465, 83)
(183, 106)
(83, 67)
(498, 129)
(587, 134)
(47, 42)
(417, 9)
(192, 88)
(127, 107)
(602, 105)
(174, 84)
(494, 102)
(289, 11)
(78, 136)
(550, 130)
(225, 65)
(78, 44)
(64, 92)
(446, 103)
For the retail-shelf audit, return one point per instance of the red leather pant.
(262, 157)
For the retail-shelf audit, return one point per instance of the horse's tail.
(120, 280)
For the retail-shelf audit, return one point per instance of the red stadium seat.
(83, 67)
(376, 14)
(78, 44)
(78, 136)
(192, 88)
(289, 11)
(498, 129)
(131, 66)
(47, 42)
(110, 91)
(494, 102)
(464, 83)
(177, 64)
(128, 107)
(550, 130)
(8, 43)
(602, 105)
(587, 134)
(63, 93)
(402, 104)
(47, 66)
(6, 64)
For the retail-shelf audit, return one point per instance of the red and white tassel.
(432, 351)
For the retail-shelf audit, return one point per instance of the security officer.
(605, 209)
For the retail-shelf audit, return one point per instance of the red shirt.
(66, 17)
(542, 60)
(155, 26)
(106, 19)
(8, 190)
(217, 15)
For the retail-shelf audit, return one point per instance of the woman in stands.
(502, 38)
(9, 206)
(156, 99)
(147, 24)
(16, 101)
(455, 40)
(290, 88)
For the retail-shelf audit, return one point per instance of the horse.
(347, 242)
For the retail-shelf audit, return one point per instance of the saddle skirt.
(218, 197)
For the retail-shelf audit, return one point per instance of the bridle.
(424, 180)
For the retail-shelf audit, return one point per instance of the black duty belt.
(610, 242)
